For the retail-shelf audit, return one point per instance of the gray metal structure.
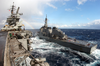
(15, 43)
(13, 21)
(56, 35)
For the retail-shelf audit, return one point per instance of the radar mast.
(46, 22)
(13, 20)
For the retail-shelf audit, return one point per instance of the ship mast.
(46, 22)
(12, 8)
(15, 17)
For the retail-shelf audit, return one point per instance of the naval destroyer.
(56, 35)
(15, 43)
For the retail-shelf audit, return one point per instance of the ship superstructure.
(13, 21)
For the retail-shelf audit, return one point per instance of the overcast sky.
(83, 14)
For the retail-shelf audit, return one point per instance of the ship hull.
(3, 36)
(73, 46)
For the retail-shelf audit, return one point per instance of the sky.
(74, 14)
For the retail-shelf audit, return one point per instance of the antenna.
(13, 8)
(46, 15)
(46, 21)
(13, 3)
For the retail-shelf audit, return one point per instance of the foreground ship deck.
(14, 51)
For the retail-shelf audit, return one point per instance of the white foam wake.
(40, 44)
(96, 53)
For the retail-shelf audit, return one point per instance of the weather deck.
(10, 50)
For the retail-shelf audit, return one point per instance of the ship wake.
(57, 55)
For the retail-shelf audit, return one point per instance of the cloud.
(91, 25)
(31, 25)
(51, 5)
(80, 2)
(66, 0)
(78, 8)
(69, 9)
(2, 22)
(88, 18)
(96, 22)
(81, 15)
(31, 9)
(28, 7)
(64, 3)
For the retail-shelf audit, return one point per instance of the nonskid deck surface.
(3, 41)
(14, 52)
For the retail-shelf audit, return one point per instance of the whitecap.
(96, 53)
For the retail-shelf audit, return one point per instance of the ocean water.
(57, 55)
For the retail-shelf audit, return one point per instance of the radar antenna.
(12, 8)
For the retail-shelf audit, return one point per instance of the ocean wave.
(95, 42)
(62, 56)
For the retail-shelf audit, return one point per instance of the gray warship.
(56, 35)
(15, 43)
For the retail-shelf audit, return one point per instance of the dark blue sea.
(57, 55)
